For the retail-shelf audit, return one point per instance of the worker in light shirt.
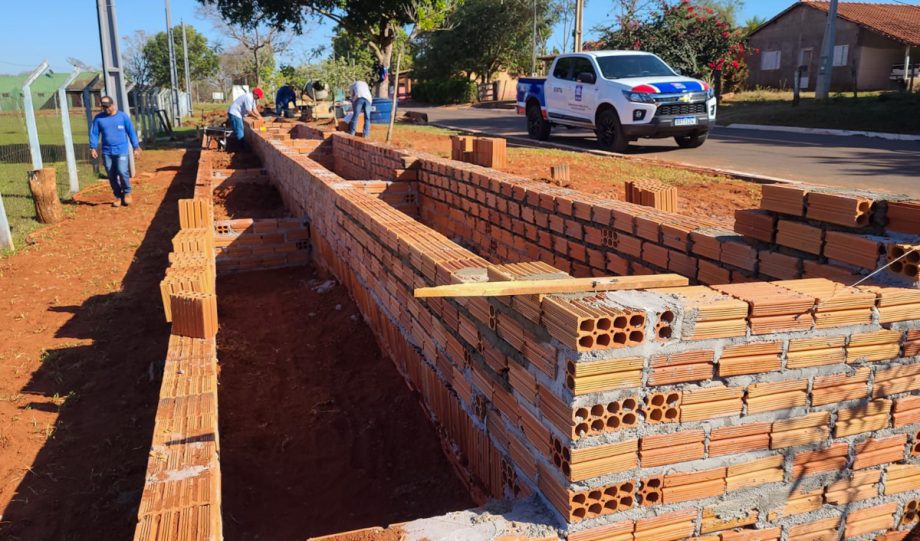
(360, 95)
(242, 107)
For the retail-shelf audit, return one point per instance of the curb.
(526, 142)
(826, 131)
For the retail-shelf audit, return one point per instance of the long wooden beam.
(546, 287)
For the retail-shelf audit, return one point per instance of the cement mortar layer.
(518, 519)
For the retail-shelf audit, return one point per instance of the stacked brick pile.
(651, 193)
(182, 488)
(784, 410)
(809, 231)
(484, 151)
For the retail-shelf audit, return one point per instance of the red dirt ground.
(319, 433)
(82, 341)
(248, 200)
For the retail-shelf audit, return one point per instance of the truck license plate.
(685, 121)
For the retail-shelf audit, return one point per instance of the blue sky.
(63, 28)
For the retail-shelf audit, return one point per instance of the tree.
(137, 65)
(488, 36)
(727, 10)
(374, 22)
(202, 58)
(694, 39)
(753, 23)
(260, 40)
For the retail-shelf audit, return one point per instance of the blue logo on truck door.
(578, 91)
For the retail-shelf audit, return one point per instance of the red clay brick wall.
(182, 487)
(747, 411)
(247, 244)
(812, 231)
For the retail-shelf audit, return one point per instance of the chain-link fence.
(15, 156)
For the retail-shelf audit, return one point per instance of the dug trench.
(319, 432)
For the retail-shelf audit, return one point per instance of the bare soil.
(82, 341)
(319, 433)
(248, 200)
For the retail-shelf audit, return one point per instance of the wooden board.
(546, 287)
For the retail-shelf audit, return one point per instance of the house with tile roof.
(874, 42)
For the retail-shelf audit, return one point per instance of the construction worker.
(243, 107)
(360, 95)
(283, 97)
(116, 131)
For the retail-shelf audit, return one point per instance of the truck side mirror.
(585, 77)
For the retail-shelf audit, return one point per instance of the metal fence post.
(6, 238)
(68, 135)
(34, 147)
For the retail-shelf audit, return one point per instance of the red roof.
(899, 22)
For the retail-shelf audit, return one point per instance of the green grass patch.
(16, 162)
(893, 112)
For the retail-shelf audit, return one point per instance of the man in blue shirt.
(283, 97)
(117, 132)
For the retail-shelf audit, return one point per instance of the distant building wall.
(797, 37)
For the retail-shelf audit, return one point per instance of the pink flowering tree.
(694, 39)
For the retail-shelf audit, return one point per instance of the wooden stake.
(43, 185)
(546, 287)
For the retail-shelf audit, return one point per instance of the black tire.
(537, 127)
(610, 132)
(691, 141)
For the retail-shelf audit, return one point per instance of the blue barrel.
(381, 109)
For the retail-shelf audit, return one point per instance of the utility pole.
(579, 18)
(533, 60)
(111, 61)
(188, 81)
(173, 73)
(826, 67)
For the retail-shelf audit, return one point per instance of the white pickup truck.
(621, 95)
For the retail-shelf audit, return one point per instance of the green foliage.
(202, 58)
(693, 38)
(337, 73)
(445, 91)
(487, 36)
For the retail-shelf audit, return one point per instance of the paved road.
(850, 162)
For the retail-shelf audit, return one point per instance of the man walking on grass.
(117, 132)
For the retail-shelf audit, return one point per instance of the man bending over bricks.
(242, 107)
(360, 95)
(116, 130)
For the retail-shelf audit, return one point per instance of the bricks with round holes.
(744, 374)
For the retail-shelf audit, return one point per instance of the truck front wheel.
(610, 132)
(537, 126)
(691, 141)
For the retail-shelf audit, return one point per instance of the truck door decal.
(578, 91)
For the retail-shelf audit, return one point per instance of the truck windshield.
(633, 65)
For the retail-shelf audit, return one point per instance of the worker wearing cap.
(117, 132)
(242, 107)
(283, 97)
(360, 95)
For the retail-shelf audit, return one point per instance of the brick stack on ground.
(754, 410)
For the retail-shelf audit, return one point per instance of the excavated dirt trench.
(319, 433)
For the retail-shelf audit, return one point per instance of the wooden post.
(43, 185)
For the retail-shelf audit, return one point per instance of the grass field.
(15, 162)
(893, 112)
